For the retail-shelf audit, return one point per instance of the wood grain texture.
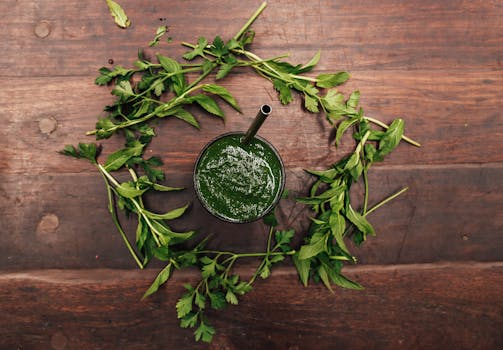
(353, 35)
(425, 307)
(448, 214)
(461, 112)
(436, 64)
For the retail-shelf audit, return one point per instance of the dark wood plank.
(460, 123)
(412, 307)
(46, 38)
(449, 213)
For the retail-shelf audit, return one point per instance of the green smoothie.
(236, 182)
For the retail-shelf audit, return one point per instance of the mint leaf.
(170, 215)
(359, 221)
(391, 138)
(343, 127)
(303, 268)
(208, 104)
(117, 159)
(223, 93)
(128, 190)
(345, 282)
(311, 64)
(161, 278)
(353, 100)
(317, 245)
(329, 80)
(163, 188)
(158, 34)
(322, 272)
(172, 66)
(182, 114)
(337, 227)
(118, 14)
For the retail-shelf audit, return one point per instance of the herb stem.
(104, 172)
(115, 218)
(366, 196)
(385, 126)
(250, 21)
(267, 255)
(198, 80)
(384, 201)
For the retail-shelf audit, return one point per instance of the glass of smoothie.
(239, 177)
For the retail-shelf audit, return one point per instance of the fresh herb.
(158, 35)
(163, 90)
(118, 14)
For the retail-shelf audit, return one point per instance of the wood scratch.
(405, 234)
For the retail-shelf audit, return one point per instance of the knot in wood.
(42, 29)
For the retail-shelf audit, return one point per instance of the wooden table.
(433, 275)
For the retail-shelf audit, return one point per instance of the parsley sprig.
(161, 89)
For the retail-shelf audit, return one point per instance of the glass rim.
(277, 197)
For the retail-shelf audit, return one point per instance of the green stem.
(115, 218)
(250, 21)
(201, 77)
(147, 220)
(383, 202)
(104, 172)
(385, 126)
(366, 196)
(266, 258)
(170, 104)
(254, 57)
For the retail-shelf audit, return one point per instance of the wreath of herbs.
(323, 252)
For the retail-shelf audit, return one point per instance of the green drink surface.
(236, 182)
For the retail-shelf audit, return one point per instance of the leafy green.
(198, 50)
(158, 35)
(117, 159)
(329, 80)
(204, 332)
(172, 66)
(161, 278)
(182, 114)
(128, 190)
(311, 103)
(223, 93)
(285, 95)
(118, 14)
(89, 151)
(391, 137)
(208, 104)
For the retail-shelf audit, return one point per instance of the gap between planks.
(86, 276)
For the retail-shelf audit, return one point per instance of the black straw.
(262, 114)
